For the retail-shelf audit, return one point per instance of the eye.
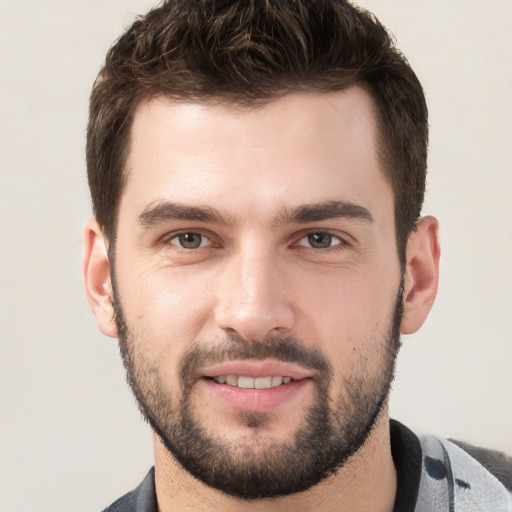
(190, 240)
(320, 240)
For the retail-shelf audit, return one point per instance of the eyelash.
(341, 242)
(173, 236)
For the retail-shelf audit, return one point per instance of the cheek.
(349, 313)
(168, 308)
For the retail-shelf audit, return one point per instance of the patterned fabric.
(497, 463)
(453, 481)
(434, 475)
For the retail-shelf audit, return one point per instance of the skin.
(256, 273)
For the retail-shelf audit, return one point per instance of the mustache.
(287, 349)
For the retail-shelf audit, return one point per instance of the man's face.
(257, 286)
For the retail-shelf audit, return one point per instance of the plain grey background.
(70, 435)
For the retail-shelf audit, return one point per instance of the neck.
(367, 482)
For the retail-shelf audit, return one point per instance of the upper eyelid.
(296, 237)
(339, 242)
(342, 236)
(167, 237)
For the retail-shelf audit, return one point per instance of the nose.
(253, 299)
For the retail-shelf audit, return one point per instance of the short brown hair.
(248, 52)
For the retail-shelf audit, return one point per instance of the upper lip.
(255, 369)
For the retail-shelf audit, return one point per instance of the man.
(257, 172)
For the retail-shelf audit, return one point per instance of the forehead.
(300, 148)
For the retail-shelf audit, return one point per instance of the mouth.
(256, 386)
(246, 382)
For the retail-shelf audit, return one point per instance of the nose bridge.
(252, 298)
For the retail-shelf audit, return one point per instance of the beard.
(259, 466)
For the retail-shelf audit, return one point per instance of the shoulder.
(141, 499)
(496, 462)
(463, 476)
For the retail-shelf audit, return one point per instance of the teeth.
(262, 382)
(232, 380)
(245, 382)
(277, 381)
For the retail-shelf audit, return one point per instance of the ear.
(96, 269)
(421, 274)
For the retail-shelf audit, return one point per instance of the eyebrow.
(323, 211)
(162, 211)
(156, 213)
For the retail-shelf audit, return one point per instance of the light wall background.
(70, 435)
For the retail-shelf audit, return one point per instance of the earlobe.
(96, 269)
(421, 274)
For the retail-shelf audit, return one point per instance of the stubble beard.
(259, 466)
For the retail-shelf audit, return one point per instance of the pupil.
(190, 240)
(320, 240)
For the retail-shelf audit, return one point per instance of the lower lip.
(256, 400)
